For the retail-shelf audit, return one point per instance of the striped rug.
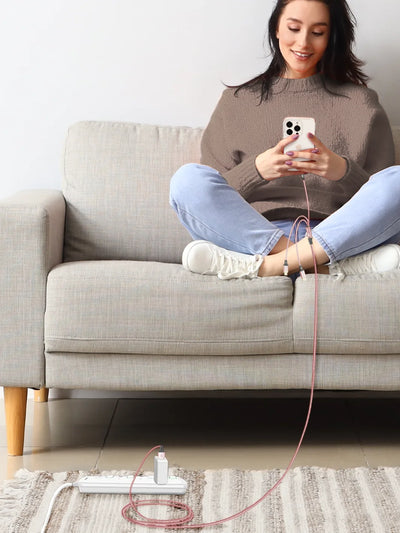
(309, 500)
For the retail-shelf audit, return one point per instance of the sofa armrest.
(31, 243)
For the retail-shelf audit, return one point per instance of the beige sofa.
(93, 295)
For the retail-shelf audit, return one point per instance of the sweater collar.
(311, 83)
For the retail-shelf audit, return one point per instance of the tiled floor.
(200, 433)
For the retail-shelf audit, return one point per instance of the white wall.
(155, 61)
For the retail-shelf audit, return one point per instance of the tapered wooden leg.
(15, 406)
(41, 395)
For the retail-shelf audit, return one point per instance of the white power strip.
(121, 485)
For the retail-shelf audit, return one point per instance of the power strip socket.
(121, 485)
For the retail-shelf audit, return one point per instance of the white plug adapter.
(161, 468)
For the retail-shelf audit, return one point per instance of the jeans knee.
(391, 175)
(180, 181)
(189, 181)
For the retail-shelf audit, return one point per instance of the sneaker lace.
(352, 265)
(231, 266)
(361, 260)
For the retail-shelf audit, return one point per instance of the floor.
(205, 433)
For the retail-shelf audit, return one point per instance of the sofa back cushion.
(116, 186)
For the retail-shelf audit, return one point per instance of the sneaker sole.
(186, 252)
(396, 249)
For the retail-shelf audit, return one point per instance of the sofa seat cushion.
(139, 307)
(356, 314)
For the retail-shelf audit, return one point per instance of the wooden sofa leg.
(15, 407)
(41, 395)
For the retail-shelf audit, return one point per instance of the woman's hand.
(324, 163)
(273, 163)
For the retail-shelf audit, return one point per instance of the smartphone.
(302, 126)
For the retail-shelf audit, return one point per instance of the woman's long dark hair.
(338, 63)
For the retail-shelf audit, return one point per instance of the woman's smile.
(302, 55)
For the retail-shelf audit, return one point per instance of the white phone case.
(302, 126)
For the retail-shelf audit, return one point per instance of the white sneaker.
(203, 257)
(381, 259)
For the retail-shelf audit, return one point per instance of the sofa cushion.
(356, 314)
(154, 308)
(116, 186)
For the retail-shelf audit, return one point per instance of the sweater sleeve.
(379, 150)
(217, 152)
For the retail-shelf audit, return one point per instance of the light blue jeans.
(212, 210)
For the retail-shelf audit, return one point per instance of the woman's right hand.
(273, 163)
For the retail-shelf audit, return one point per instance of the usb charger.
(161, 468)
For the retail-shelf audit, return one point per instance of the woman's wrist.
(340, 169)
(257, 165)
(261, 170)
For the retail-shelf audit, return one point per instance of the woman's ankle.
(271, 266)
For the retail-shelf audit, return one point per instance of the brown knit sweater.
(349, 120)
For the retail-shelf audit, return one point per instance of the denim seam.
(272, 242)
(327, 248)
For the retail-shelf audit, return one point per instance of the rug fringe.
(12, 493)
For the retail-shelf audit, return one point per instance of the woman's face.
(303, 33)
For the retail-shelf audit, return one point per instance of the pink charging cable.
(184, 522)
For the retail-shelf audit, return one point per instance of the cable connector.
(302, 273)
(285, 268)
(161, 468)
(309, 235)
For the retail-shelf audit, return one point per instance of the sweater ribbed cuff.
(355, 176)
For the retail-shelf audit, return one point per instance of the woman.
(240, 203)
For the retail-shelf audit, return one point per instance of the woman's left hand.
(324, 162)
